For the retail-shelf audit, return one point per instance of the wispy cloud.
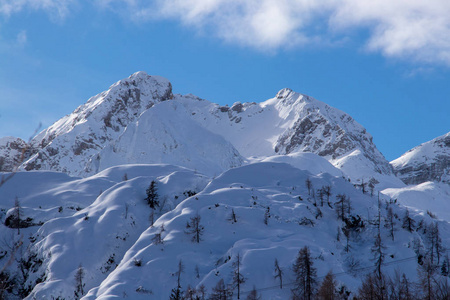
(414, 30)
(21, 39)
(57, 9)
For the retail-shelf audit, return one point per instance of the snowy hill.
(103, 223)
(429, 161)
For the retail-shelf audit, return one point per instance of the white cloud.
(411, 29)
(416, 30)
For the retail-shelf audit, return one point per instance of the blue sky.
(386, 63)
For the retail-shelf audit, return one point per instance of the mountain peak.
(157, 86)
(284, 93)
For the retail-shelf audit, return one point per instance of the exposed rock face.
(12, 152)
(428, 162)
(326, 131)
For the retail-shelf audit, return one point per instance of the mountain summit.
(133, 122)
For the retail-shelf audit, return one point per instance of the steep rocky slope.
(429, 161)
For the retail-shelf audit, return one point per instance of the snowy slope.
(429, 161)
(167, 134)
(149, 268)
(97, 230)
(102, 222)
(427, 196)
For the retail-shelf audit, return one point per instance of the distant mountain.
(429, 161)
(139, 120)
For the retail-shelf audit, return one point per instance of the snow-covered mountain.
(262, 180)
(69, 143)
(429, 161)
(139, 120)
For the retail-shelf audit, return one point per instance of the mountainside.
(429, 161)
(68, 144)
(167, 134)
(133, 123)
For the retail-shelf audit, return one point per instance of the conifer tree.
(267, 215)
(327, 290)
(79, 284)
(305, 275)
(152, 195)
(17, 215)
(309, 185)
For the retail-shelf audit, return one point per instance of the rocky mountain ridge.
(105, 130)
(429, 161)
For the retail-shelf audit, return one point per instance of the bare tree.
(233, 217)
(195, 229)
(427, 274)
(378, 254)
(179, 271)
(238, 278)
(157, 239)
(221, 292)
(278, 273)
(408, 222)
(390, 222)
